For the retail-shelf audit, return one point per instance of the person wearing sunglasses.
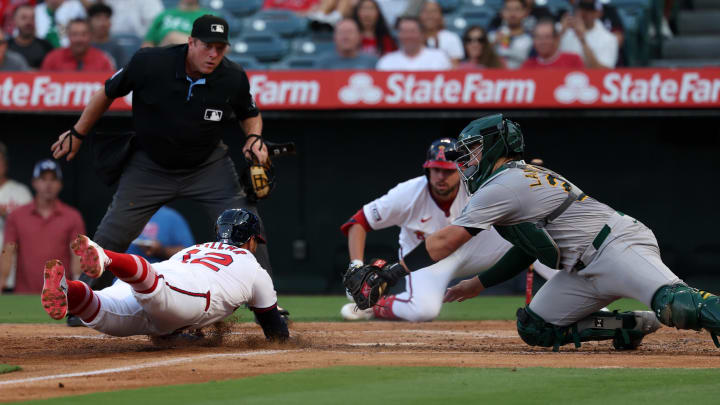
(479, 54)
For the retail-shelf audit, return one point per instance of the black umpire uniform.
(177, 150)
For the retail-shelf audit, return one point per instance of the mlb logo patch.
(217, 28)
(213, 115)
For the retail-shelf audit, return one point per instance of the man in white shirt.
(413, 55)
(133, 16)
(585, 35)
(12, 195)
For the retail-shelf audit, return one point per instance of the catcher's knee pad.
(534, 331)
(685, 307)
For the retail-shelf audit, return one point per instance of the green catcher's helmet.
(482, 143)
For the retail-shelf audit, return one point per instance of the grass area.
(27, 309)
(434, 385)
(8, 368)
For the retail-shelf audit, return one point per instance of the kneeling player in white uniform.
(421, 206)
(604, 254)
(196, 287)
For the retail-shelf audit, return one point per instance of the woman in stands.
(376, 37)
(479, 54)
(436, 36)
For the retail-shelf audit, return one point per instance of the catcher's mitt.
(257, 179)
(365, 284)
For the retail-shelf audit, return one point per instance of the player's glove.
(258, 179)
(368, 283)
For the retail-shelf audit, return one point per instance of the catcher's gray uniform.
(606, 255)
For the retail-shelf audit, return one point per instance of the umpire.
(184, 98)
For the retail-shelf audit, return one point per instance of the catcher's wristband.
(258, 136)
(418, 258)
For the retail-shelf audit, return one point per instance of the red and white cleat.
(92, 257)
(54, 292)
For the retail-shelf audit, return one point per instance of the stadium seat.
(449, 5)
(699, 22)
(556, 7)
(684, 63)
(247, 62)
(700, 47)
(467, 17)
(494, 4)
(310, 46)
(239, 8)
(706, 4)
(170, 3)
(130, 44)
(296, 63)
(265, 47)
(283, 22)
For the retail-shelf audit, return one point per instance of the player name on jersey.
(299, 90)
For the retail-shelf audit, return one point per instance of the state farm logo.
(360, 88)
(576, 88)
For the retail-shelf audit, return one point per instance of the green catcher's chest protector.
(533, 238)
(534, 241)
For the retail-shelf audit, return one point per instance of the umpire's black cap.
(210, 28)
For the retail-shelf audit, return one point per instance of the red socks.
(82, 301)
(133, 270)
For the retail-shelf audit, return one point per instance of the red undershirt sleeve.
(358, 218)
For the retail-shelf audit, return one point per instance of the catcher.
(603, 254)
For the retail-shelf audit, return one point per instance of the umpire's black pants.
(145, 186)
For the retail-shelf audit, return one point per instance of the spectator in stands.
(586, 36)
(132, 17)
(329, 12)
(9, 60)
(394, 9)
(173, 26)
(436, 36)
(535, 13)
(39, 231)
(298, 6)
(546, 40)
(413, 54)
(52, 18)
(376, 37)
(479, 54)
(32, 48)
(511, 41)
(13, 194)
(347, 53)
(79, 56)
(99, 17)
(165, 234)
(7, 13)
(609, 17)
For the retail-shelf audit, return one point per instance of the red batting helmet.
(441, 154)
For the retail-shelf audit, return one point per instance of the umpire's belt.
(600, 238)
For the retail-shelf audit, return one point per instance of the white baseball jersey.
(517, 195)
(198, 286)
(410, 206)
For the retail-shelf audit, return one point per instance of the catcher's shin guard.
(688, 308)
(626, 329)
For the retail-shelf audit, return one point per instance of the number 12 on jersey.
(209, 260)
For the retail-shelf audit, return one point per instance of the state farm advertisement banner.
(486, 89)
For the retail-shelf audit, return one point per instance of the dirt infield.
(58, 360)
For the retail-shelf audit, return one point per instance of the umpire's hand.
(258, 148)
(67, 144)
